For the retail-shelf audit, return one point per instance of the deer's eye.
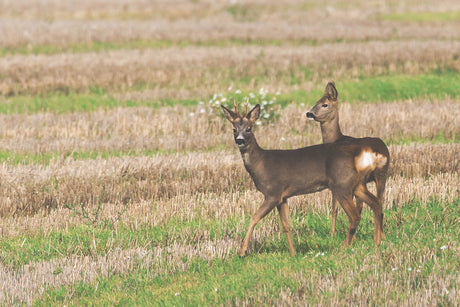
(234, 130)
(325, 105)
(248, 129)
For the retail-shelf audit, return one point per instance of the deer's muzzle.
(240, 141)
(310, 116)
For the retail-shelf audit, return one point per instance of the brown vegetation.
(201, 68)
(30, 281)
(292, 10)
(28, 189)
(180, 128)
(62, 33)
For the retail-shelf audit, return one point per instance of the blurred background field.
(120, 182)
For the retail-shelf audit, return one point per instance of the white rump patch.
(369, 160)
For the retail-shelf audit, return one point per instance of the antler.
(246, 107)
(236, 108)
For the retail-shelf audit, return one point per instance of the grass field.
(120, 183)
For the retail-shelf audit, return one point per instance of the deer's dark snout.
(239, 141)
(310, 115)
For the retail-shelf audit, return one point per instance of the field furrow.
(200, 128)
(201, 67)
(31, 188)
(38, 36)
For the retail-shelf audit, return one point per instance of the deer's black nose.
(239, 141)
(310, 115)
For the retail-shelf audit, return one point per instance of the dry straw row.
(71, 33)
(294, 11)
(29, 282)
(123, 181)
(108, 9)
(202, 67)
(241, 199)
(194, 128)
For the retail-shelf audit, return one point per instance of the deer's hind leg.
(283, 210)
(380, 182)
(363, 193)
(346, 200)
(335, 209)
(359, 205)
(263, 210)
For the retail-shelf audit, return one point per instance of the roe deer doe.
(280, 174)
(326, 111)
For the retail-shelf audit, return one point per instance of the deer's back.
(292, 172)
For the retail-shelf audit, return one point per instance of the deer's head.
(326, 108)
(242, 124)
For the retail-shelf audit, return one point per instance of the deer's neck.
(251, 155)
(331, 130)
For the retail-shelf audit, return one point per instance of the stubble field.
(120, 182)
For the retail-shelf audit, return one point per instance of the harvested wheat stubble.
(175, 129)
(222, 204)
(62, 33)
(27, 283)
(201, 66)
(32, 188)
(382, 287)
(423, 160)
(294, 11)
(107, 9)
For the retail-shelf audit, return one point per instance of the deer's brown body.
(280, 174)
(326, 111)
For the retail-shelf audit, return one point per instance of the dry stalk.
(200, 67)
(28, 189)
(17, 33)
(179, 128)
(23, 285)
(221, 205)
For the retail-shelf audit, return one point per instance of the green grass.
(100, 237)
(440, 138)
(412, 232)
(423, 16)
(46, 157)
(93, 99)
(95, 46)
(100, 46)
(436, 85)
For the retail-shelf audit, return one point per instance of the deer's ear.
(229, 114)
(331, 91)
(253, 115)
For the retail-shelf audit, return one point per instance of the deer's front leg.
(266, 207)
(283, 210)
(335, 207)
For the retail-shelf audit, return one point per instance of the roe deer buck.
(326, 111)
(280, 174)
